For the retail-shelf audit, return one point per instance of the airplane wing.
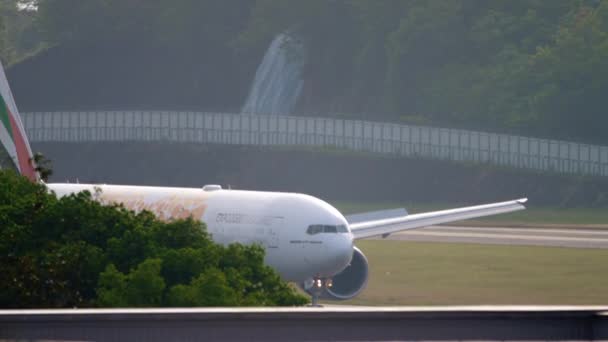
(375, 215)
(384, 227)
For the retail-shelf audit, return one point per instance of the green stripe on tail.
(4, 117)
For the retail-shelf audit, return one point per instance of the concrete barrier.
(305, 324)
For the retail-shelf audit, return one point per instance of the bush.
(75, 252)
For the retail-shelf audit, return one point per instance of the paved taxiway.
(574, 238)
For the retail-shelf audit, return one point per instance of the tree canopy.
(527, 67)
(74, 252)
(19, 37)
(520, 66)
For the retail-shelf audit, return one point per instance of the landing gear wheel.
(315, 287)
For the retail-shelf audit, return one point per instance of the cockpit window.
(321, 228)
(342, 228)
(330, 229)
(314, 229)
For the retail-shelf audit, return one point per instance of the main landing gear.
(316, 287)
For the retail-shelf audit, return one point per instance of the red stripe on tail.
(26, 165)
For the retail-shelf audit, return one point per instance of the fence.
(377, 137)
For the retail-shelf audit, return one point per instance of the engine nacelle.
(348, 283)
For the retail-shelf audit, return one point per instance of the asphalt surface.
(573, 238)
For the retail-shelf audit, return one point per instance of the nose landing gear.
(316, 287)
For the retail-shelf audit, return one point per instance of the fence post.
(411, 141)
(479, 147)
(599, 158)
(401, 150)
(363, 143)
(559, 157)
(519, 152)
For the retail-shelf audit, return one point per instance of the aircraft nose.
(343, 252)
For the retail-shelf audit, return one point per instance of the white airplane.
(307, 241)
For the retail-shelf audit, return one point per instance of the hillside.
(526, 67)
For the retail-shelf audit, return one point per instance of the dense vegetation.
(73, 251)
(19, 37)
(526, 66)
(522, 66)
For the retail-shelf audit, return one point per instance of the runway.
(572, 238)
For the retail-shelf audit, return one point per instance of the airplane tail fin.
(15, 150)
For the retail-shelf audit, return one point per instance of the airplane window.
(319, 228)
(330, 229)
(314, 229)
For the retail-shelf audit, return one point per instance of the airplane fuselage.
(304, 237)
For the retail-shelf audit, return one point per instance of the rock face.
(278, 80)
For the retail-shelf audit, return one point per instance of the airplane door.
(272, 237)
(218, 231)
(274, 225)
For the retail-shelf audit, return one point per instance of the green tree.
(112, 288)
(8, 10)
(519, 66)
(18, 35)
(43, 166)
(73, 251)
(210, 288)
(569, 78)
(142, 287)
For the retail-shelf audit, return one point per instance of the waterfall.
(278, 83)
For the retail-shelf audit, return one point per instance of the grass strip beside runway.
(419, 273)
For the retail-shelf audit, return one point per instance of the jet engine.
(348, 283)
